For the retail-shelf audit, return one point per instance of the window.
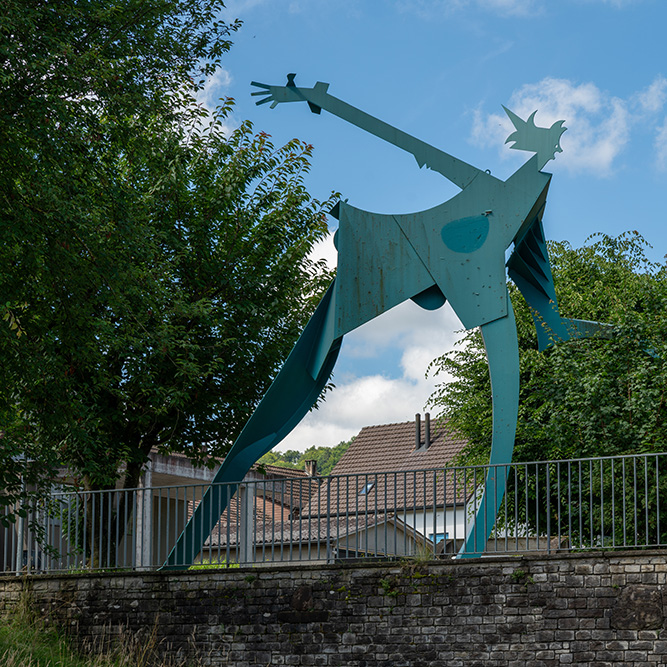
(436, 537)
(366, 489)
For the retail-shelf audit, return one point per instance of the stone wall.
(594, 609)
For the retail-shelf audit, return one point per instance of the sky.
(440, 70)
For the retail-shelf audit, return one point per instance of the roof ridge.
(409, 421)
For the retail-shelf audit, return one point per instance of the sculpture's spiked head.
(545, 141)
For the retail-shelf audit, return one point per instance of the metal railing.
(581, 504)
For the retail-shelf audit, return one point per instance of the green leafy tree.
(589, 397)
(154, 266)
(287, 459)
(583, 398)
(326, 457)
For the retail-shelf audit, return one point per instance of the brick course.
(593, 608)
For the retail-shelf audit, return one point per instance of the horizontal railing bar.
(412, 471)
(594, 503)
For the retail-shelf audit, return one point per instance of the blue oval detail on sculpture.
(466, 234)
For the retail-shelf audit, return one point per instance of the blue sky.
(441, 70)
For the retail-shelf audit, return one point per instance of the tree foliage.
(326, 457)
(154, 264)
(582, 398)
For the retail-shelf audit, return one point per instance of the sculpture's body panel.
(454, 251)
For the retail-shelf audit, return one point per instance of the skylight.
(366, 489)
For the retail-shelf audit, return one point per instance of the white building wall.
(447, 523)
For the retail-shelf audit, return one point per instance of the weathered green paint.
(502, 352)
(467, 234)
(454, 251)
(294, 391)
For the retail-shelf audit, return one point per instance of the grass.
(214, 566)
(26, 647)
(26, 641)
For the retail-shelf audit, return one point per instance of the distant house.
(268, 496)
(313, 539)
(138, 527)
(397, 472)
(388, 496)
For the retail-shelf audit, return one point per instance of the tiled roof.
(265, 511)
(276, 500)
(294, 487)
(402, 476)
(280, 472)
(306, 530)
(391, 447)
(272, 502)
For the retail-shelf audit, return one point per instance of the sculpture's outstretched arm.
(459, 172)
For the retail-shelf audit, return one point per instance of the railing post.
(144, 520)
(329, 548)
(19, 545)
(20, 538)
(247, 523)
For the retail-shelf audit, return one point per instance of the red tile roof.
(391, 447)
(403, 477)
(316, 530)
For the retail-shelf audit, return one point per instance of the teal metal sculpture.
(454, 251)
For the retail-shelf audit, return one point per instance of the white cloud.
(653, 98)
(325, 250)
(214, 89)
(412, 330)
(510, 7)
(369, 400)
(210, 96)
(364, 401)
(661, 146)
(598, 124)
(359, 401)
(619, 4)
(238, 8)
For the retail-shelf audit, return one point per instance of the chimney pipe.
(418, 431)
(427, 430)
(310, 467)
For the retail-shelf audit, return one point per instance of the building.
(398, 472)
(390, 495)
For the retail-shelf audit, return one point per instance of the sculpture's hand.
(278, 94)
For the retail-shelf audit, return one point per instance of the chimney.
(418, 431)
(310, 467)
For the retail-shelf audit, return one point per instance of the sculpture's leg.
(502, 351)
(294, 391)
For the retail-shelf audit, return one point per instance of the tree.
(155, 267)
(582, 398)
(326, 457)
